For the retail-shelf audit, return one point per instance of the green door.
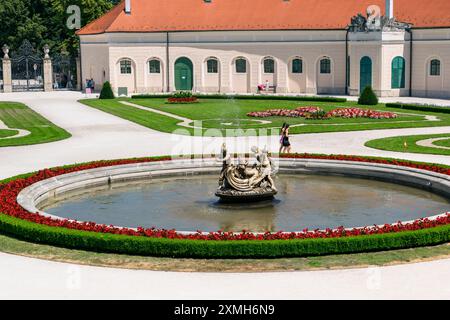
(365, 74)
(183, 74)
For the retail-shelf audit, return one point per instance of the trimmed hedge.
(368, 97)
(248, 97)
(110, 243)
(106, 92)
(416, 107)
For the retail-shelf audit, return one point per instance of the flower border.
(10, 189)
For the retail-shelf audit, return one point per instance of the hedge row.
(110, 243)
(249, 97)
(415, 107)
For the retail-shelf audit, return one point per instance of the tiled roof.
(198, 15)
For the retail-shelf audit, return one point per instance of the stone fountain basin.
(31, 197)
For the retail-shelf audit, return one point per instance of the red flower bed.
(296, 113)
(183, 100)
(9, 206)
(303, 112)
(361, 113)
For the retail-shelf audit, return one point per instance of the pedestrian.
(286, 144)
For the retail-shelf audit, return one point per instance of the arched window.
(154, 66)
(212, 66)
(269, 65)
(297, 66)
(125, 66)
(398, 73)
(325, 66)
(435, 67)
(241, 66)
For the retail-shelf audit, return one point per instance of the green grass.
(232, 114)
(398, 144)
(18, 247)
(8, 133)
(443, 143)
(18, 116)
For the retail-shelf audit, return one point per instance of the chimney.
(128, 6)
(390, 9)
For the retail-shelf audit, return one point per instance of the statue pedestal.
(48, 75)
(7, 78)
(258, 194)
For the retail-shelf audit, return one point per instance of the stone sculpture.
(244, 182)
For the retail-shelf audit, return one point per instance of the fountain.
(244, 182)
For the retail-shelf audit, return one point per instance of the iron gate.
(64, 72)
(27, 69)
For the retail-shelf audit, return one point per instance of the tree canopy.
(45, 22)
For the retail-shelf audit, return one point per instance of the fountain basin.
(33, 197)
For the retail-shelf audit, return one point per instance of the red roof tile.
(196, 15)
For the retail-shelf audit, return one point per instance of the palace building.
(399, 47)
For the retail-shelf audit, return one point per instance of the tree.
(368, 97)
(44, 22)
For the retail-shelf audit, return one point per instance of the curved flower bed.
(10, 190)
(175, 100)
(304, 112)
(296, 113)
(361, 113)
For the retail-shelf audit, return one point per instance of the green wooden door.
(184, 74)
(365, 74)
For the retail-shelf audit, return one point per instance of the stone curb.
(32, 196)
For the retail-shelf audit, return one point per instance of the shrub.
(107, 92)
(182, 94)
(182, 97)
(414, 107)
(248, 97)
(368, 97)
(112, 243)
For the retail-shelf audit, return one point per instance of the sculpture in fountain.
(244, 182)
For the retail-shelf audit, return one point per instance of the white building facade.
(399, 61)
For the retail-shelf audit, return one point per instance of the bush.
(414, 107)
(368, 97)
(111, 243)
(247, 97)
(106, 92)
(182, 95)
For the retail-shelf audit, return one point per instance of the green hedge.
(144, 246)
(248, 97)
(106, 92)
(368, 97)
(416, 107)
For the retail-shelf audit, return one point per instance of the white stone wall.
(101, 55)
(428, 45)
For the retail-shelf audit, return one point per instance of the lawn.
(8, 133)
(19, 116)
(409, 144)
(443, 143)
(225, 114)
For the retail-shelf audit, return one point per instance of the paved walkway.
(20, 132)
(430, 143)
(98, 135)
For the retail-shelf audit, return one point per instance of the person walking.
(285, 143)
(281, 137)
